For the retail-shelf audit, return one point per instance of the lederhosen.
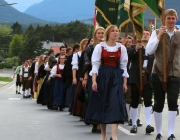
(173, 84)
(25, 75)
(18, 83)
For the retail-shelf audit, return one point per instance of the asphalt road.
(23, 119)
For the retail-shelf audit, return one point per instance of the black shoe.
(139, 123)
(133, 129)
(94, 129)
(25, 97)
(81, 119)
(130, 122)
(159, 137)
(172, 137)
(149, 129)
(61, 109)
(29, 96)
(98, 131)
(55, 108)
(110, 138)
(19, 93)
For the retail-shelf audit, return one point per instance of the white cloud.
(22, 5)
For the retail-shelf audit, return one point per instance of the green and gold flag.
(106, 12)
(122, 17)
(136, 13)
(155, 6)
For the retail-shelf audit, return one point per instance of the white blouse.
(74, 62)
(54, 69)
(36, 67)
(46, 65)
(96, 57)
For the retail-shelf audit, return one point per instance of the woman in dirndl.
(58, 90)
(109, 83)
(87, 81)
(41, 80)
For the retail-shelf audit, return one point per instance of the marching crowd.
(98, 79)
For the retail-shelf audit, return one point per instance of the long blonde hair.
(83, 42)
(41, 61)
(95, 41)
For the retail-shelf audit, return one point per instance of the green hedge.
(2, 65)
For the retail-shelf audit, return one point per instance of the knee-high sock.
(29, 93)
(171, 121)
(26, 92)
(23, 93)
(128, 111)
(158, 122)
(148, 115)
(134, 112)
(16, 88)
(139, 110)
(19, 89)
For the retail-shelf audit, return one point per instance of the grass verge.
(6, 79)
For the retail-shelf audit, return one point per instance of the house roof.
(56, 49)
(48, 44)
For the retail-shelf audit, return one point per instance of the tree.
(10, 62)
(5, 30)
(15, 45)
(17, 28)
(5, 37)
(2, 53)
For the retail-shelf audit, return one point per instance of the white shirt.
(46, 65)
(54, 69)
(153, 42)
(25, 71)
(36, 67)
(96, 57)
(75, 62)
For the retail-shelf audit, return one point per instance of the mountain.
(62, 11)
(9, 14)
(69, 10)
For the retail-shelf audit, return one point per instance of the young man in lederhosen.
(25, 79)
(172, 47)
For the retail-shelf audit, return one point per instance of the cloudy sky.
(22, 5)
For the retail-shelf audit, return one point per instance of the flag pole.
(126, 32)
(164, 49)
(140, 70)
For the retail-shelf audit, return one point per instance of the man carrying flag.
(172, 47)
(141, 85)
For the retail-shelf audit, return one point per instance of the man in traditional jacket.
(134, 80)
(172, 47)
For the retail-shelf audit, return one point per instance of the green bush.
(2, 65)
(10, 62)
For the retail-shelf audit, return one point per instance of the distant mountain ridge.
(8, 14)
(64, 11)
